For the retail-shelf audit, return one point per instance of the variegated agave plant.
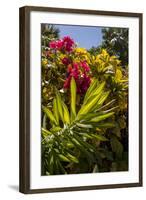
(72, 141)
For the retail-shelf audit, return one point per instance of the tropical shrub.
(115, 41)
(84, 110)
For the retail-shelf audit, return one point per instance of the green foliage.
(49, 33)
(68, 142)
(115, 40)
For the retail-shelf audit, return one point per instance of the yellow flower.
(81, 54)
(80, 51)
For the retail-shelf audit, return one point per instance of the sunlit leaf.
(93, 85)
(99, 137)
(102, 117)
(55, 129)
(66, 113)
(45, 132)
(59, 105)
(55, 111)
(63, 158)
(49, 114)
(73, 99)
(103, 98)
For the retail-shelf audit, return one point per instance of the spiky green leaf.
(59, 106)
(66, 114)
(55, 111)
(49, 114)
(73, 98)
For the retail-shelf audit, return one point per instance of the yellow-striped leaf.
(49, 115)
(73, 99)
(88, 107)
(55, 111)
(59, 106)
(90, 90)
(103, 98)
(101, 117)
(45, 132)
(66, 113)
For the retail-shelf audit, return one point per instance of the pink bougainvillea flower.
(68, 43)
(59, 44)
(76, 66)
(65, 44)
(67, 82)
(85, 66)
(69, 69)
(53, 44)
(56, 44)
(81, 77)
(66, 61)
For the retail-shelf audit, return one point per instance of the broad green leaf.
(99, 88)
(82, 149)
(109, 110)
(49, 115)
(59, 106)
(63, 158)
(88, 117)
(99, 137)
(73, 99)
(88, 107)
(55, 129)
(55, 111)
(69, 145)
(105, 125)
(84, 125)
(44, 121)
(71, 157)
(103, 98)
(97, 91)
(123, 81)
(45, 132)
(85, 144)
(107, 104)
(90, 90)
(92, 117)
(92, 101)
(51, 163)
(102, 117)
(87, 135)
(66, 113)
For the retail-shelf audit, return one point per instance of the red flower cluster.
(66, 44)
(80, 73)
(66, 61)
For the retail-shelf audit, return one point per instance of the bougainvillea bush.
(84, 110)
